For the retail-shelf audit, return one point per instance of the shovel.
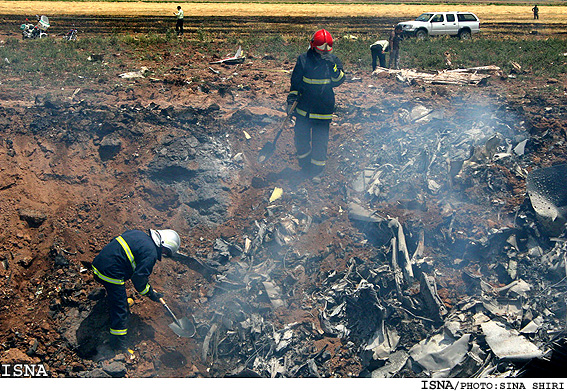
(182, 327)
(270, 147)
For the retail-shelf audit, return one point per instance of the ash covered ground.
(420, 239)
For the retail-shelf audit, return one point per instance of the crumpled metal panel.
(507, 343)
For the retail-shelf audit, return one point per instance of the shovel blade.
(266, 152)
(184, 329)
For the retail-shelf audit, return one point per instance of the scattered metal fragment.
(440, 353)
(135, 74)
(454, 76)
(533, 327)
(506, 343)
(274, 294)
(406, 265)
(357, 212)
(238, 58)
(396, 361)
(428, 289)
(548, 195)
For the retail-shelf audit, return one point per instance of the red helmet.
(322, 42)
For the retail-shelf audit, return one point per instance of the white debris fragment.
(396, 362)
(274, 294)
(440, 353)
(507, 343)
(135, 74)
(533, 326)
(521, 147)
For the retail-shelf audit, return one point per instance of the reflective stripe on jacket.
(131, 255)
(312, 80)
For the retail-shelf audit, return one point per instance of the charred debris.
(453, 267)
(453, 270)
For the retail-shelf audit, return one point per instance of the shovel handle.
(287, 117)
(162, 301)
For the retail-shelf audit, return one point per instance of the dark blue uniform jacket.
(312, 81)
(135, 260)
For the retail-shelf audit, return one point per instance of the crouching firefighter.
(316, 73)
(131, 255)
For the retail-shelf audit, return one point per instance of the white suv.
(460, 24)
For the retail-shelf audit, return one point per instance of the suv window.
(437, 18)
(466, 18)
(450, 17)
(423, 17)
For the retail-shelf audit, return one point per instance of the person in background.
(395, 38)
(378, 50)
(130, 256)
(179, 24)
(536, 12)
(314, 76)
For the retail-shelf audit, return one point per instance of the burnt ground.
(264, 281)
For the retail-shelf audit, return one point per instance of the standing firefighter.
(315, 74)
(131, 255)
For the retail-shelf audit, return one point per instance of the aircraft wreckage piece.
(506, 343)
(455, 76)
(238, 58)
(548, 195)
(440, 353)
(428, 289)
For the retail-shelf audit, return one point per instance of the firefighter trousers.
(311, 141)
(118, 308)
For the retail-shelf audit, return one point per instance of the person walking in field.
(179, 24)
(536, 12)
(395, 38)
(314, 76)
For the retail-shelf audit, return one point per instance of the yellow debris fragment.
(246, 135)
(277, 193)
(130, 301)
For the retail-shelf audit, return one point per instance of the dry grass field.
(487, 13)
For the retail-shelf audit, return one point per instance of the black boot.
(305, 164)
(119, 343)
(316, 173)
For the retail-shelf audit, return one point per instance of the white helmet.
(166, 238)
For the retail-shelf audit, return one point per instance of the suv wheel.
(421, 34)
(465, 34)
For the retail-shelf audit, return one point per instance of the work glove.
(328, 58)
(291, 99)
(154, 296)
